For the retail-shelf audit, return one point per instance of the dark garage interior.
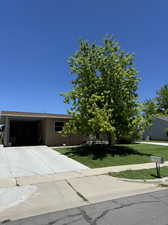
(25, 133)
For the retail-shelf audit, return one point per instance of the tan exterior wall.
(6, 132)
(53, 138)
(43, 130)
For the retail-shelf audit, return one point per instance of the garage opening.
(24, 133)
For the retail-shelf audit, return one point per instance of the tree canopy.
(157, 105)
(162, 99)
(104, 94)
(150, 108)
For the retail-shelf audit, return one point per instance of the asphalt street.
(145, 209)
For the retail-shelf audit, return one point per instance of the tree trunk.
(97, 137)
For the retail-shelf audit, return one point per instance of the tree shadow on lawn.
(98, 151)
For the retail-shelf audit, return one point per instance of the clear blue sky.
(38, 36)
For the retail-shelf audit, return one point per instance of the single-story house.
(24, 128)
(157, 131)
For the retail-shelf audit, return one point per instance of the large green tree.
(103, 97)
(162, 99)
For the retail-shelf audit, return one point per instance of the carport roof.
(4, 114)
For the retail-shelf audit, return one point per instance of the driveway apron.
(34, 160)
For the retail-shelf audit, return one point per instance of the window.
(59, 126)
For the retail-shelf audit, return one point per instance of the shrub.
(166, 130)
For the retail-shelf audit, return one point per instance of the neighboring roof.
(30, 114)
(162, 118)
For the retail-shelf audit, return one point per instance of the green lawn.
(141, 174)
(95, 157)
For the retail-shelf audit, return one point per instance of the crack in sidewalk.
(77, 192)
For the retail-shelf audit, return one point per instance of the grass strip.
(145, 174)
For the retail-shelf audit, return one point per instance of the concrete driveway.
(34, 160)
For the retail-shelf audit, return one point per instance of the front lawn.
(141, 174)
(95, 157)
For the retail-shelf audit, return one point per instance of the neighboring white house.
(158, 129)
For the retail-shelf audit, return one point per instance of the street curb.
(150, 181)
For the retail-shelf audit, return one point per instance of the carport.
(25, 132)
(21, 130)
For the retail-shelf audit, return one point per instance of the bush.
(129, 138)
(166, 130)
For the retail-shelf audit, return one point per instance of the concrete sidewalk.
(153, 143)
(33, 195)
(39, 179)
(30, 200)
